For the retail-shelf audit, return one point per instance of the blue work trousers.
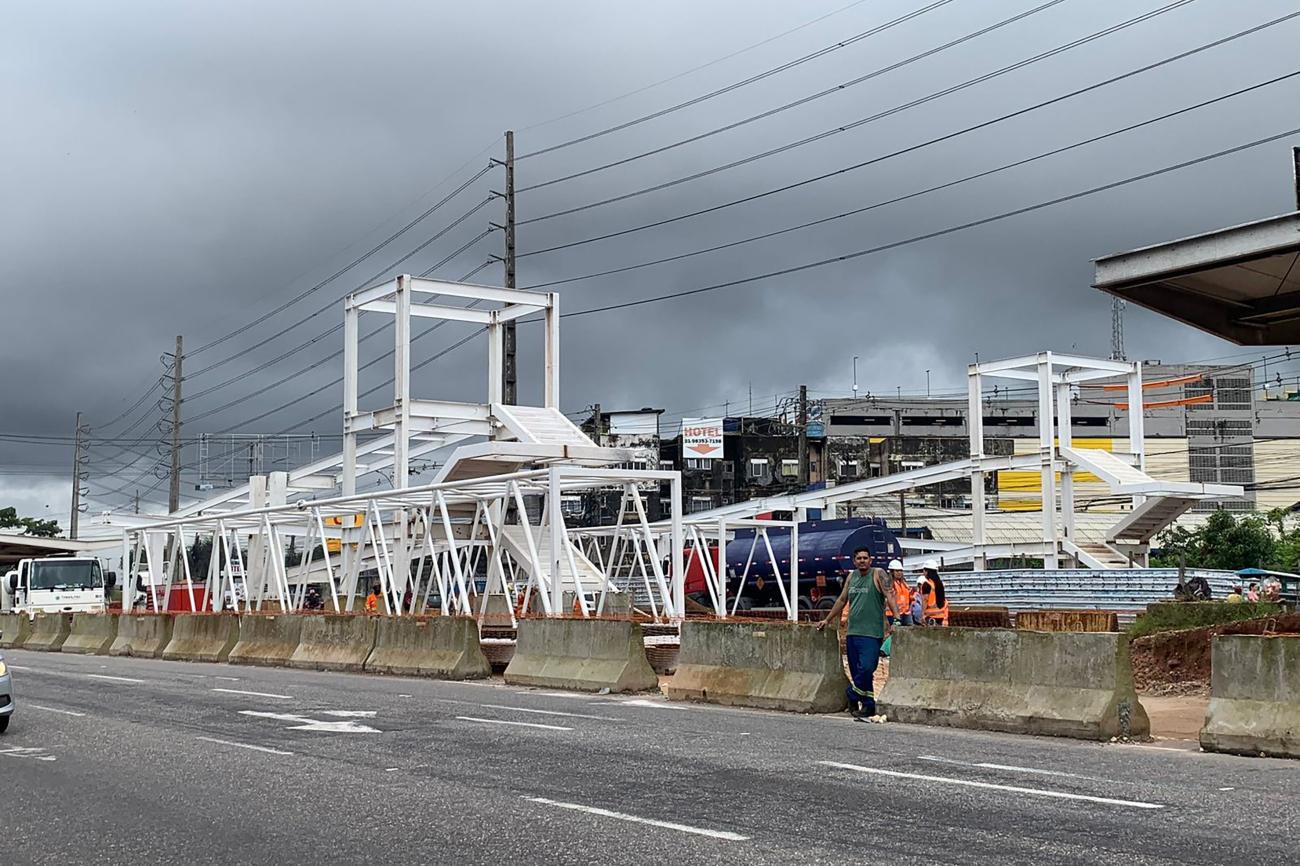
(864, 656)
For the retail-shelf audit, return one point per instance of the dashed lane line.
(515, 724)
(115, 679)
(27, 706)
(637, 819)
(990, 786)
(255, 694)
(249, 746)
(550, 713)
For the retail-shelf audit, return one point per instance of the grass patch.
(1175, 615)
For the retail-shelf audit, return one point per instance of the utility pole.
(509, 369)
(78, 474)
(803, 437)
(174, 492)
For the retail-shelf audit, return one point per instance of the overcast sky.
(185, 168)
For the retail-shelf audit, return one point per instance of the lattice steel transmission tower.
(1117, 329)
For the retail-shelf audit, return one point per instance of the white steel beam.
(536, 300)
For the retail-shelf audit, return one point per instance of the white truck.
(56, 584)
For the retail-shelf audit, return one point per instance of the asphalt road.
(136, 761)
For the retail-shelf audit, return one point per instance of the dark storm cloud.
(184, 168)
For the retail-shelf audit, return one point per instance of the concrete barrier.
(202, 637)
(1058, 684)
(266, 641)
(15, 628)
(1068, 620)
(1254, 696)
(334, 643)
(49, 631)
(91, 634)
(142, 635)
(445, 647)
(583, 654)
(775, 666)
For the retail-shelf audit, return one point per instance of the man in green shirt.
(866, 591)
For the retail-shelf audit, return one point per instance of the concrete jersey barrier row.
(15, 628)
(1254, 696)
(583, 654)
(49, 631)
(202, 637)
(334, 643)
(1059, 684)
(774, 666)
(91, 633)
(445, 647)
(267, 641)
(142, 635)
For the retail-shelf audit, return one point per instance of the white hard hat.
(895, 565)
(932, 564)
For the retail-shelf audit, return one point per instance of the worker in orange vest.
(934, 598)
(372, 600)
(902, 596)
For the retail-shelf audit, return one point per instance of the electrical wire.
(916, 193)
(768, 73)
(839, 88)
(910, 149)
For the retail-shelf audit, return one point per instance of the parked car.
(6, 695)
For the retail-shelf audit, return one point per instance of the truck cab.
(56, 584)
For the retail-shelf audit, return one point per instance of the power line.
(381, 245)
(739, 84)
(917, 193)
(839, 88)
(862, 121)
(911, 148)
(331, 305)
(930, 235)
(692, 70)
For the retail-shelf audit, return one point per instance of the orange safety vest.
(929, 610)
(903, 594)
(372, 603)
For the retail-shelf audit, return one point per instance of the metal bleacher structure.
(455, 543)
(491, 524)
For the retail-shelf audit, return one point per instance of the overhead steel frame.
(446, 553)
(1056, 376)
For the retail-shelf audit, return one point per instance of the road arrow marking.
(309, 724)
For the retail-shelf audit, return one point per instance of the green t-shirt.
(866, 604)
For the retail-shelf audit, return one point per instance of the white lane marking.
(1227, 789)
(570, 695)
(255, 694)
(623, 816)
(1012, 768)
(351, 714)
(1158, 748)
(22, 668)
(403, 696)
(970, 783)
(227, 679)
(642, 702)
(114, 679)
(549, 712)
(243, 746)
(307, 724)
(516, 724)
(27, 706)
(34, 753)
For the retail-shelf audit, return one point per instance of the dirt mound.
(1178, 662)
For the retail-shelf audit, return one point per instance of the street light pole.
(855, 377)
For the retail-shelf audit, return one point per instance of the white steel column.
(1047, 457)
(350, 316)
(1065, 435)
(552, 400)
(557, 540)
(678, 561)
(975, 427)
(402, 384)
(1136, 418)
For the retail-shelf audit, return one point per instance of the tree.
(9, 519)
(1222, 542)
